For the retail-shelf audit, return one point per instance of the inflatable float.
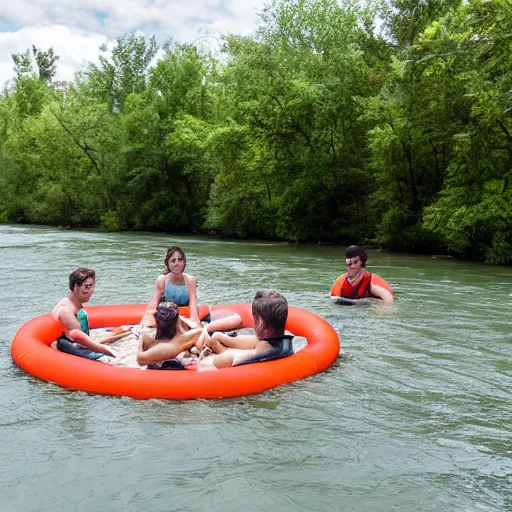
(346, 301)
(32, 352)
(353, 302)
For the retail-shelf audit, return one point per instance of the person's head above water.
(175, 260)
(270, 311)
(354, 251)
(79, 275)
(81, 283)
(166, 317)
(355, 259)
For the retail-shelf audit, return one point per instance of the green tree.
(473, 213)
(44, 60)
(123, 72)
(415, 117)
(295, 89)
(166, 180)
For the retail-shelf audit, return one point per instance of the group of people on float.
(208, 335)
(174, 335)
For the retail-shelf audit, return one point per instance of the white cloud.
(73, 47)
(75, 29)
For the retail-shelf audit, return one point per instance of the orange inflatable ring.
(338, 285)
(31, 351)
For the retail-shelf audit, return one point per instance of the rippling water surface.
(416, 414)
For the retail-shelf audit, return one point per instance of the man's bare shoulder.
(64, 306)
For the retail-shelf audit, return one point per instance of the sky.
(75, 29)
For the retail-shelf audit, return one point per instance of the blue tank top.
(177, 294)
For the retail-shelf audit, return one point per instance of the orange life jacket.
(342, 287)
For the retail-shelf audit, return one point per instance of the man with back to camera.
(270, 312)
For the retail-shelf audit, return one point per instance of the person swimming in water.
(357, 282)
(174, 285)
(70, 313)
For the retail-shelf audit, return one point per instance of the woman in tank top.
(174, 285)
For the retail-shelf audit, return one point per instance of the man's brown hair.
(272, 308)
(79, 275)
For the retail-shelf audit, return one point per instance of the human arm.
(74, 333)
(148, 318)
(192, 299)
(219, 342)
(167, 349)
(382, 293)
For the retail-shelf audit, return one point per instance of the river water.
(416, 414)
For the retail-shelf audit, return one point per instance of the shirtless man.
(70, 313)
(270, 311)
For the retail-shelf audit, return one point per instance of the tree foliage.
(378, 122)
(44, 61)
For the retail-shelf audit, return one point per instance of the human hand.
(109, 352)
(149, 320)
(203, 340)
